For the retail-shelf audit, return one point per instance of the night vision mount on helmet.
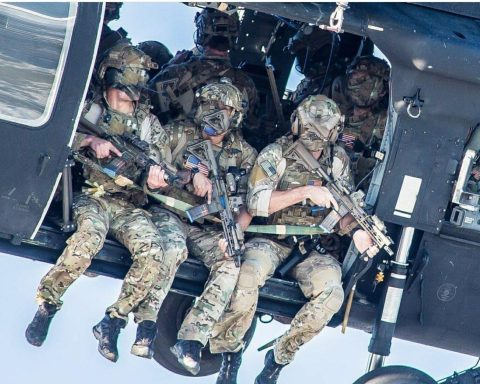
(317, 121)
(217, 29)
(126, 67)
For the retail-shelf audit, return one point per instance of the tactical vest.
(177, 85)
(294, 176)
(183, 133)
(116, 123)
(367, 128)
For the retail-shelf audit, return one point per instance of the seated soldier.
(219, 112)
(282, 189)
(318, 60)
(360, 95)
(176, 85)
(110, 208)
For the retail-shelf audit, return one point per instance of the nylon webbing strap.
(286, 230)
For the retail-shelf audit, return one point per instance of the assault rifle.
(134, 163)
(348, 201)
(221, 202)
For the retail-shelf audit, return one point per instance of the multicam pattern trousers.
(133, 227)
(203, 245)
(319, 277)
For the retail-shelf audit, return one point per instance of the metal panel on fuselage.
(32, 158)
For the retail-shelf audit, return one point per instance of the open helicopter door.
(46, 62)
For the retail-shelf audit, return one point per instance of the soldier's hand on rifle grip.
(101, 147)
(156, 177)
(364, 243)
(222, 244)
(202, 186)
(322, 197)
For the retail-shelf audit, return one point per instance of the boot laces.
(145, 333)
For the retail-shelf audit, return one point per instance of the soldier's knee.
(228, 268)
(321, 280)
(252, 275)
(149, 247)
(87, 243)
(334, 299)
(175, 255)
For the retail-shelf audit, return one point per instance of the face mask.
(210, 131)
(216, 123)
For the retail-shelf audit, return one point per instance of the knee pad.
(254, 273)
(86, 244)
(333, 302)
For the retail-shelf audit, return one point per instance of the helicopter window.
(35, 39)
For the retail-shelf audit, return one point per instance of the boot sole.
(193, 370)
(35, 343)
(141, 351)
(98, 336)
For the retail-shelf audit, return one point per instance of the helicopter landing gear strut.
(384, 327)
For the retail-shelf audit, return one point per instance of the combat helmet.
(112, 11)
(125, 67)
(159, 53)
(311, 47)
(211, 113)
(317, 122)
(216, 29)
(367, 80)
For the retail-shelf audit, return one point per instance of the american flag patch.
(193, 162)
(348, 140)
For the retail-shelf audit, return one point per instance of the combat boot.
(229, 369)
(188, 354)
(106, 332)
(37, 330)
(271, 370)
(142, 347)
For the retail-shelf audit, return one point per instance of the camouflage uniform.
(319, 276)
(203, 243)
(176, 85)
(113, 209)
(360, 100)
(312, 48)
(316, 122)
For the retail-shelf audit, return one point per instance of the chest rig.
(303, 213)
(115, 123)
(367, 128)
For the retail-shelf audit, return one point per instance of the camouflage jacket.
(175, 86)
(141, 123)
(273, 172)
(368, 127)
(178, 134)
(363, 131)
